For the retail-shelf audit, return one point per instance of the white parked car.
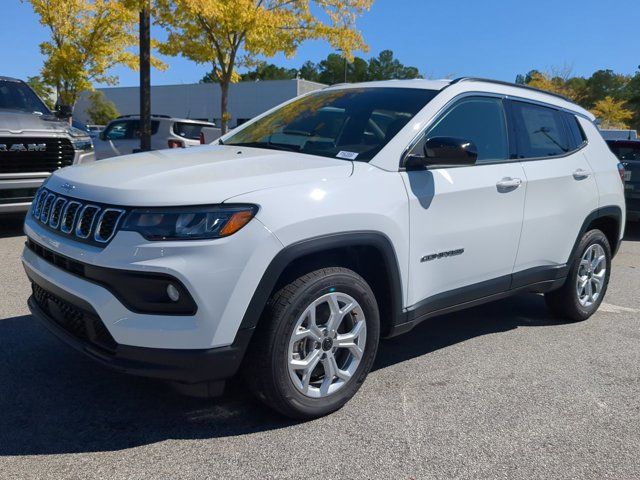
(122, 135)
(343, 216)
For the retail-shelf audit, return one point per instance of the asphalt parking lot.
(499, 391)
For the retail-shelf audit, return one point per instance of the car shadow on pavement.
(54, 400)
(11, 225)
(440, 332)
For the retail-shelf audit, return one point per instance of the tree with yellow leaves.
(229, 34)
(612, 113)
(88, 38)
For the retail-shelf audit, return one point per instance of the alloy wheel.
(327, 345)
(591, 275)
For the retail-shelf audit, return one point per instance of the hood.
(18, 122)
(192, 176)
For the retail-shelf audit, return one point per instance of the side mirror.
(64, 111)
(102, 136)
(442, 152)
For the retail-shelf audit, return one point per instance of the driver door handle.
(581, 174)
(507, 184)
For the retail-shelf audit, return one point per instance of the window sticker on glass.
(347, 155)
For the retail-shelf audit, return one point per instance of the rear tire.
(315, 344)
(587, 280)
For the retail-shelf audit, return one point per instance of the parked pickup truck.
(628, 152)
(34, 142)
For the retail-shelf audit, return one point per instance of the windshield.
(350, 123)
(18, 96)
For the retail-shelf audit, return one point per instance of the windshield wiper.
(300, 133)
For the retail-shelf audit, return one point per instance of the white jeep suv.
(122, 135)
(350, 214)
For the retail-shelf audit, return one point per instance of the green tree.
(101, 111)
(263, 71)
(310, 71)
(44, 91)
(269, 71)
(386, 67)
(229, 34)
(332, 69)
(606, 83)
(383, 67)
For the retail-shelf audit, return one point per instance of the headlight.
(184, 223)
(82, 144)
(76, 132)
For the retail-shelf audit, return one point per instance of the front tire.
(315, 344)
(587, 281)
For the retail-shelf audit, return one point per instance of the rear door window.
(540, 131)
(128, 129)
(189, 130)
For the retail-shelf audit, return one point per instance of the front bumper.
(18, 189)
(221, 276)
(77, 324)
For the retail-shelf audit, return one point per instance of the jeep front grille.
(83, 221)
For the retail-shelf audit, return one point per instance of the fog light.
(173, 292)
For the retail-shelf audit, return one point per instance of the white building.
(202, 100)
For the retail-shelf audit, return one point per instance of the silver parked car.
(122, 135)
(34, 142)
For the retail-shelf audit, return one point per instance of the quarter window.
(576, 135)
(479, 120)
(188, 130)
(540, 131)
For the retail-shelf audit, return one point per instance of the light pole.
(345, 64)
(145, 77)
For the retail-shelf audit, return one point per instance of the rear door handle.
(581, 174)
(508, 184)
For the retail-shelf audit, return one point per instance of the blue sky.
(492, 38)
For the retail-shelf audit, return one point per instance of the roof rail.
(509, 84)
(137, 115)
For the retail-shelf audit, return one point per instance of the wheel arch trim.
(290, 253)
(611, 211)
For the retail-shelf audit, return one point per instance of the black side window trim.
(567, 132)
(507, 102)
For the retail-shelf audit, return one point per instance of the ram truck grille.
(34, 154)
